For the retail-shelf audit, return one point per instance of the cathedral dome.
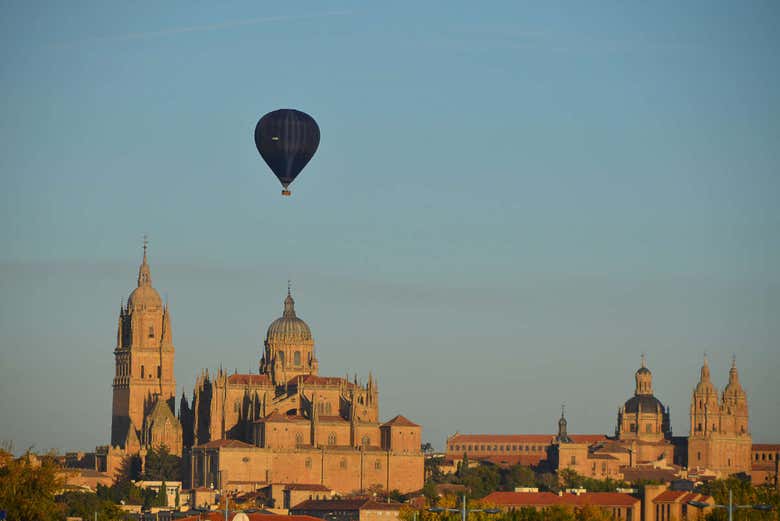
(288, 328)
(144, 297)
(643, 403)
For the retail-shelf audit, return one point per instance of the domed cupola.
(289, 347)
(643, 416)
(288, 328)
(144, 297)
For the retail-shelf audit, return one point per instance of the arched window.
(143, 372)
(377, 465)
(343, 463)
(159, 372)
(151, 331)
(297, 358)
(332, 438)
(366, 441)
(281, 357)
(298, 438)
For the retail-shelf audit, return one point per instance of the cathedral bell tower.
(144, 361)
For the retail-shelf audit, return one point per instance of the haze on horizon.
(508, 206)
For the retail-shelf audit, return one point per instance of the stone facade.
(720, 440)
(643, 426)
(287, 424)
(144, 384)
(284, 424)
(719, 443)
(765, 464)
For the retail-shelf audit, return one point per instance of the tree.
(85, 504)
(162, 465)
(28, 485)
(162, 495)
(547, 482)
(743, 493)
(517, 476)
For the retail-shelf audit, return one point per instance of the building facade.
(144, 385)
(285, 423)
(643, 447)
(720, 440)
(288, 424)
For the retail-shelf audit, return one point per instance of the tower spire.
(289, 303)
(144, 274)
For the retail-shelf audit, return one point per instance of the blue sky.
(510, 202)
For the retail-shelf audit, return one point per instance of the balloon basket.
(286, 193)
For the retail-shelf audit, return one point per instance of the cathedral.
(719, 439)
(283, 424)
(719, 443)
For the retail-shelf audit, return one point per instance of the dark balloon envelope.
(287, 140)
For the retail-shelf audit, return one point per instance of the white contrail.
(196, 28)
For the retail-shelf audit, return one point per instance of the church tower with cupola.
(144, 384)
(643, 424)
(643, 417)
(289, 347)
(719, 440)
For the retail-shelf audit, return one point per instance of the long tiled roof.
(304, 486)
(522, 438)
(220, 516)
(316, 505)
(249, 379)
(542, 499)
(311, 379)
(510, 460)
(766, 446)
(680, 496)
(230, 444)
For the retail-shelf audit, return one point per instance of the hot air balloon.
(287, 139)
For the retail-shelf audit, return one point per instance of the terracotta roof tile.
(542, 499)
(522, 438)
(305, 486)
(231, 444)
(766, 446)
(311, 379)
(317, 505)
(401, 421)
(219, 516)
(331, 419)
(670, 496)
(509, 460)
(249, 379)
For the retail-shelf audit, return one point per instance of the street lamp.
(731, 506)
(464, 512)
